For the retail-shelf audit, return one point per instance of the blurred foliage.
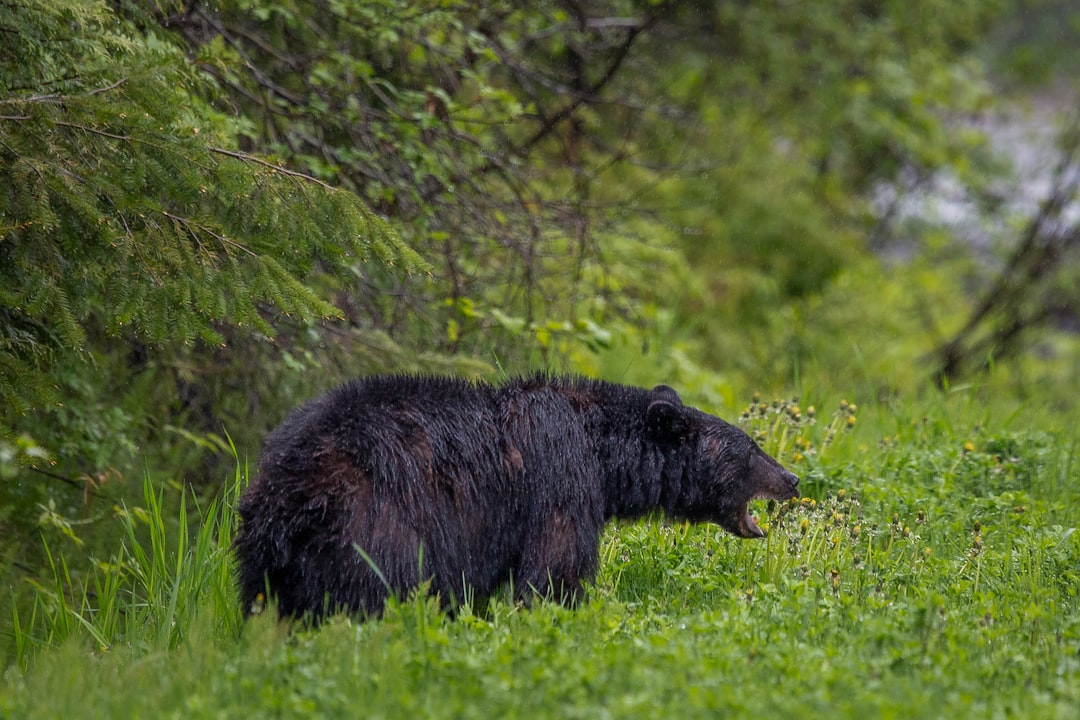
(1036, 42)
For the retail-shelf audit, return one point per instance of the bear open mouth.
(748, 527)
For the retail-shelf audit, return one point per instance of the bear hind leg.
(560, 557)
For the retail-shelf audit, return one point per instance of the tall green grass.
(166, 572)
(931, 570)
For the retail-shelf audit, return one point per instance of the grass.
(932, 571)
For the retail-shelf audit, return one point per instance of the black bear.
(389, 482)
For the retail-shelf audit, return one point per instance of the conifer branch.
(193, 227)
(276, 168)
(55, 98)
(93, 131)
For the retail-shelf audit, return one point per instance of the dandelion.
(851, 421)
(926, 552)
(835, 580)
(969, 447)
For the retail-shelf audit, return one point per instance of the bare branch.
(1038, 255)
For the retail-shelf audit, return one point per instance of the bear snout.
(771, 480)
(789, 481)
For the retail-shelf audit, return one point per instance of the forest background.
(211, 212)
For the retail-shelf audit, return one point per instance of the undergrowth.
(166, 572)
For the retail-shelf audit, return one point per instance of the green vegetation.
(932, 570)
(210, 212)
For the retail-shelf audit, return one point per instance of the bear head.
(722, 468)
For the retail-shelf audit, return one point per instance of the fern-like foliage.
(123, 205)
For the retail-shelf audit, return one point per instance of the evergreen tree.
(126, 208)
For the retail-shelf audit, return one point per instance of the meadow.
(931, 569)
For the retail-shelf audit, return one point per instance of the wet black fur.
(469, 486)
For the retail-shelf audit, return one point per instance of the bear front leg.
(560, 555)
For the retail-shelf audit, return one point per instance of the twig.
(277, 168)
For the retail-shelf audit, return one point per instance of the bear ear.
(665, 392)
(666, 421)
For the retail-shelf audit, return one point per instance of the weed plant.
(149, 592)
(931, 569)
